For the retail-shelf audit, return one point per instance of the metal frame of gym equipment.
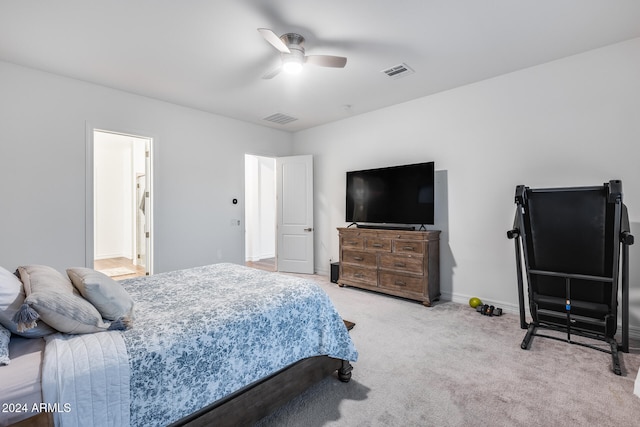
(575, 245)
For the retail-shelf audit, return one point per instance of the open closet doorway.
(260, 212)
(279, 232)
(121, 204)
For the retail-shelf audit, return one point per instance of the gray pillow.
(11, 299)
(5, 336)
(52, 298)
(107, 295)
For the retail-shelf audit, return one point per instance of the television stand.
(395, 262)
(386, 227)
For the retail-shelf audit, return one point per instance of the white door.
(294, 193)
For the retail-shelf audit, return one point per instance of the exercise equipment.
(489, 310)
(474, 302)
(574, 245)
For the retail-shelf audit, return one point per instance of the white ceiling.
(207, 54)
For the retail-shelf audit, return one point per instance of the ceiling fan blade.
(327, 60)
(271, 74)
(274, 40)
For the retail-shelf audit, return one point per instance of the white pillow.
(5, 336)
(11, 299)
(52, 298)
(107, 295)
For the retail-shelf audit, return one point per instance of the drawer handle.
(358, 258)
(377, 245)
(359, 275)
(352, 243)
(408, 248)
(400, 264)
(400, 283)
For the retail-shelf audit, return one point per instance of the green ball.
(475, 302)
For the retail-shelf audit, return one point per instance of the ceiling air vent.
(398, 71)
(280, 118)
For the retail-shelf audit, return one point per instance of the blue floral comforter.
(202, 333)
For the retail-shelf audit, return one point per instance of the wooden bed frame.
(253, 402)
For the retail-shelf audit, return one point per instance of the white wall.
(571, 122)
(198, 170)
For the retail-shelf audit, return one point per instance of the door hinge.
(147, 234)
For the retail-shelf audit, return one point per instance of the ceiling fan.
(291, 47)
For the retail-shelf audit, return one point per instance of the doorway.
(121, 204)
(260, 212)
(279, 231)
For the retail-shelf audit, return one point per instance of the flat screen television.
(392, 195)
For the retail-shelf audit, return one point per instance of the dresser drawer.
(352, 242)
(366, 275)
(402, 263)
(359, 258)
(399, 282)
(408, 247)
(377, 244)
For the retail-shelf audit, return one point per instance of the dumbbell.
(489, 310)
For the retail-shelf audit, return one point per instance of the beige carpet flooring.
(450, 366)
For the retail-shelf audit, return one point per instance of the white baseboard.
(113, 255)
(259, 257)
(323, 272)
(464, 299)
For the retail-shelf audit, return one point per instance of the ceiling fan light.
(292, 67)
(292, 63)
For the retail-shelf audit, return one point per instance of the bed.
(223, 344)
